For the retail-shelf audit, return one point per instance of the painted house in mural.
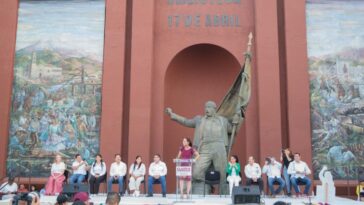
(39, 71)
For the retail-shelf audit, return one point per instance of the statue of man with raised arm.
(211, 138)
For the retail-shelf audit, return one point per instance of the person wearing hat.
(82, 197)
(8, 189)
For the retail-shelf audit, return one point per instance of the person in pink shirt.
(186, 152)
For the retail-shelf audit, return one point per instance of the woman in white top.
(98, 174)
(55, 181)
(233, 172)
(137, 172)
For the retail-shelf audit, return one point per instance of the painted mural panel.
(56, 103)
(335, 35)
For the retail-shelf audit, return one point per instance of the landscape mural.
(56, 103)
(335, 35)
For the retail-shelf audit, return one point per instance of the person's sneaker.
(164, 195)
(150, 195)
(137, 193)
(289, 194)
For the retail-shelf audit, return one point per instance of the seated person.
(253, 173)
(31, 198)
(98, 174)
(8, 189)
(117, 173)
(233, 171)
(54, 184)
(22, 189)
(79, 168)
(157, 172)
(32, 188)
(137, 172)
(273, 170)
(299, 171)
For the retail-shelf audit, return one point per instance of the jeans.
(270, 185)
(119, 180)
(305, 180)
(287, 179)
(152, 180)
(77, 178)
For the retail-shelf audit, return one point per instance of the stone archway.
(196, 74)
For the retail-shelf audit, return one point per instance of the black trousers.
(95, 183)
(259, 181)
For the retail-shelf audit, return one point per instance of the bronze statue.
(211, 137)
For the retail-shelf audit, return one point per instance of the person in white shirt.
(8, 189)
(55, 181)
(299, 171)
(157, 173)
(137, 172)
(97, 174)
(253, 173)
(79, 168)
(117, 173)
(273, 170)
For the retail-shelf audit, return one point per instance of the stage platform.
(197, 200)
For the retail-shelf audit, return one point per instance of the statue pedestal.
(323, 196)
(198, 187)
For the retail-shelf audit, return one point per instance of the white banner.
(183, 171)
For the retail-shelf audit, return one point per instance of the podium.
(183, 169)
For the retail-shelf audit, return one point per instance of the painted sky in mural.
(335, 35)
(56, 104)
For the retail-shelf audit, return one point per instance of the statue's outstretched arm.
(180, 119)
